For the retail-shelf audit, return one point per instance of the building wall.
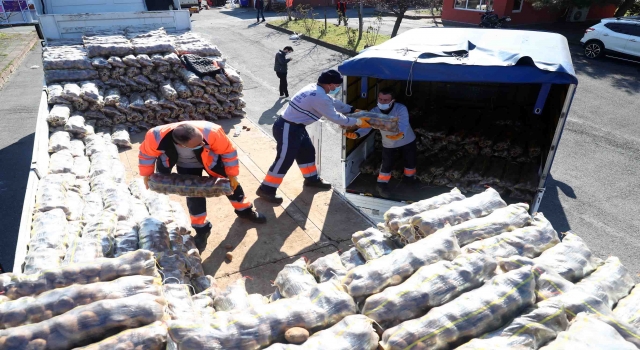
(528, 15)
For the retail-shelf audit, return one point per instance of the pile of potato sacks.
(135, 80)
(112, 265)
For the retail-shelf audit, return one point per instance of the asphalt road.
(594, 188)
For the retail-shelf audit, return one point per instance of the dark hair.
(184, 133)
(387, 91)
(288, 48)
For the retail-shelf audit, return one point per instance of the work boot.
(383, 189)
(252, 215)
(317, 183)
(202, 235)
(271, 198)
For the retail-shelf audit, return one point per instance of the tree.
(630, 6)
(399, 8)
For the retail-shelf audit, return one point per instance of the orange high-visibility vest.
(157, 145)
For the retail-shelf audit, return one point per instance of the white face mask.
(384, 106)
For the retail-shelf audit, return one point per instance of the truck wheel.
(593, 49)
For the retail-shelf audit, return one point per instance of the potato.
(296, 335)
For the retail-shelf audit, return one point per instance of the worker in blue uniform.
(403, 142)
(293, 142)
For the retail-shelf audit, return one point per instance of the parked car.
(618, 37)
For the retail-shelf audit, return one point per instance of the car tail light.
(589, 30)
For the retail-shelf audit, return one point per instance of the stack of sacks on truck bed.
(136, 80)
(448, 272)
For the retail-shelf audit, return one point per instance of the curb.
(6, 73)
(337, 48)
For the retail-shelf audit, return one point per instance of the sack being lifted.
(190, 185)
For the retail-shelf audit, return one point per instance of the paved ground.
(14, 44)
(19, 102)
(594, 188)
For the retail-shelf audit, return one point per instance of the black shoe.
(282, 95)
(286, 94)
(202, 235)
(319, 183)
(252, 215)
(263, 20)
(383, 190)
(271, 198)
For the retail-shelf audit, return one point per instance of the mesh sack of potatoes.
(61, 162)
(234, 297)
(431, 286)
(512, 217)
(120, 136)
(589, 332)
(173, 268)
(52, 192)
(86, 324)
(153, 236)
(190, 185)
(609, 282)
(468, 316)
(56, 302)
(352, 258)
(76, 125)
(54, 95)
(152, 42)
(140, 262)
(321, 307)
(58, 115)
(572, 259)
(93, 206)
(372, 243)
(398, 216)
(48, 230)
(393, 269)
(528, 241)
(75, 201)
(379, 121)
(179, 302)
(353, 332)
(151, 337)
(457, 212)
(536, 327)
(126, 238)
(96, 242)
(294, 279)
(62, 75)
(328, 267)
(138, 210)
(192, 43)
(180, 217)
(159, 206)
(107, 45)
(116, 200)
(628, 308)
(59, 141)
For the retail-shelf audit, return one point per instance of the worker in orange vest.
(194, 146)
(341, 7)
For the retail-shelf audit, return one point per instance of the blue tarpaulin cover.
(467, 55)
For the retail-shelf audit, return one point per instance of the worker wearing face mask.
(293, 142)
(404, 141)
(192, 147)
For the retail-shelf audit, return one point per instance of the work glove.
(396, 137)
(146, 181)
(351, 135)
(234, 182)
(363, 122)
(357, 110)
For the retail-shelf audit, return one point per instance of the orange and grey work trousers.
(389, 156)
(292, 144)
(198, 205)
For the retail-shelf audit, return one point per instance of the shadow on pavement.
(624, 74)
(551, 205)
(269, 116)
(13, 184)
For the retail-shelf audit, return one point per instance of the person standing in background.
(280, 67)
(259, 4)
(342, 12)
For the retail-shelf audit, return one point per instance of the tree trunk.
(399, 17)
(624, 7)
(360, 26)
